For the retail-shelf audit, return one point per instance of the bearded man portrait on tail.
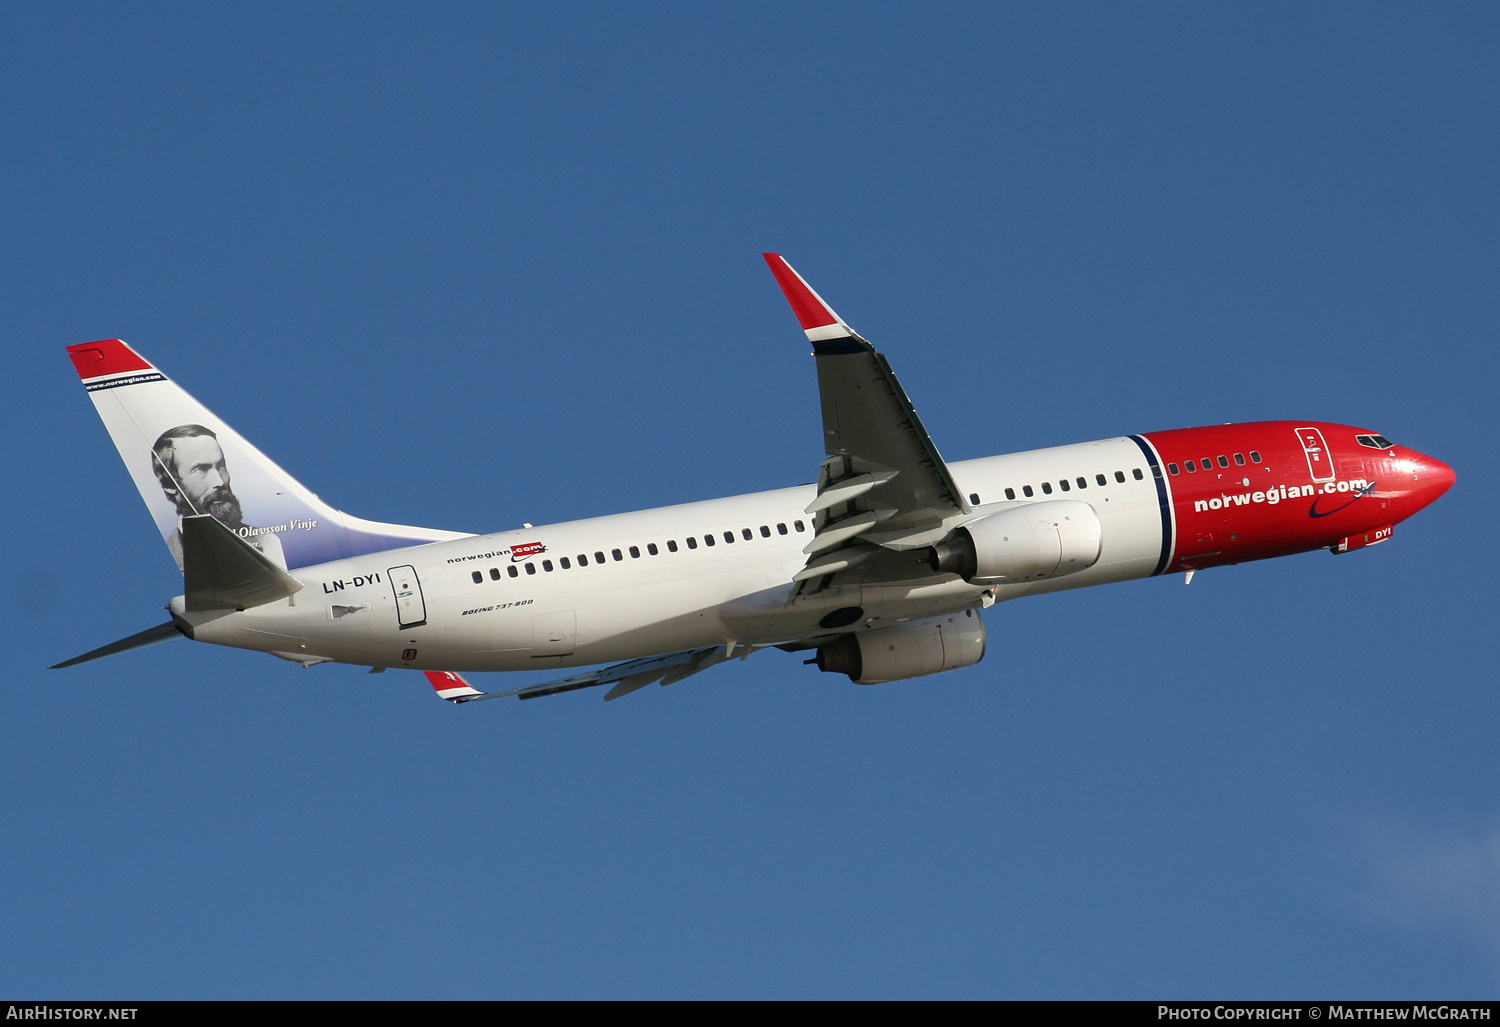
(189, 464)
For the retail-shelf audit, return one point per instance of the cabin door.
(411, 609)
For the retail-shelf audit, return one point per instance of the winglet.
(450, 686)
(816, 317)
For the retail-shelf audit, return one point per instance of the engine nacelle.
(1024, 543)
(909, 650)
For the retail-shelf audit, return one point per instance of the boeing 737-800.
(881, 569)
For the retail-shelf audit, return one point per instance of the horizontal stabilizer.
(151, 636)
(224, 572)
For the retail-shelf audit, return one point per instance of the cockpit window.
(1374, 441)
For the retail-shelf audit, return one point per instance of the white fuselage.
(545, 599)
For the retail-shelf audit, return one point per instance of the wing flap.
(848, 489)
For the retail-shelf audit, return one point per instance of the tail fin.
(185, 462)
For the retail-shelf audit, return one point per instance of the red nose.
(1433, 478)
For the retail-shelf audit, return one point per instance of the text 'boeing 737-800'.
(881, 569)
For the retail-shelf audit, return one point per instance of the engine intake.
(909, 650)
(1024, 543)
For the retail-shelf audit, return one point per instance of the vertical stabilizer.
(186, 462)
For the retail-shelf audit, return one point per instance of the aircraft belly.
(663, 616)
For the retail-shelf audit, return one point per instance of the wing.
(884, 487)
(626, 677)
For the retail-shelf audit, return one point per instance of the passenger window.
(1223, 460)
(780, 529)
(583, 560)
(565, 564)
(765, 531)
(1120, 476)
(671, 545)
(546, 566)
(1239, 458)
(478, 577)
(708, 540)
(598, 557)
(494, 573)
(511, 570)
(729, 537)
(1138, 475)
(531, 568)
(635, 552)
(1065, 486)
(1208, 463)
(1156, 470)
(1172, 468)
(1101, 479)
(1047, 488)
(1010, 493)
(1083, 483)
(651, 548)
(1255, 456)
(974, 498)
(617, 555)
(747, 534)
(1027, 490)
(799, 525)
(692, 542)
(1191, 466)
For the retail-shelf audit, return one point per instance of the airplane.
(880, 570)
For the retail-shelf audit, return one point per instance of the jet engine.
(1024, 543)
(909, 650)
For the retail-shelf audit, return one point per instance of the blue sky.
(469, 266)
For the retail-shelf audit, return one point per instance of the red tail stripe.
(108, 356)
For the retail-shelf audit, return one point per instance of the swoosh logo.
(1356, 497)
